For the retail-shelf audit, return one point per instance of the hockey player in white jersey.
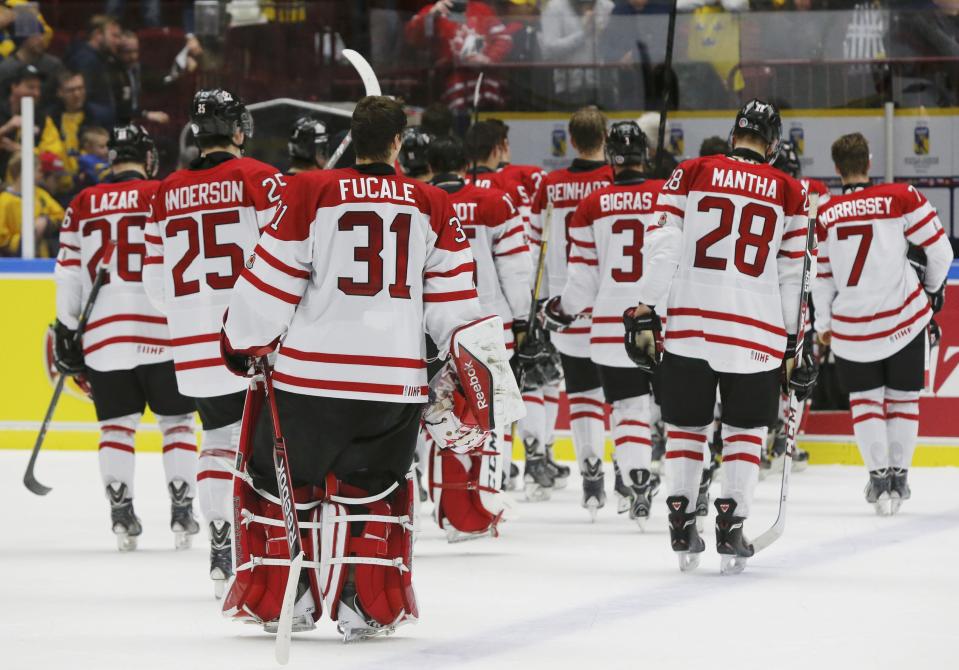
(605, 266)
(205, 223)
(873, 310)
(355, 264)
(502, 274)
(125, 352)
(728, 247)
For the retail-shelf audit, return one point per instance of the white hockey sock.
(869, 425)
(551, 408)
(179, 449)
(215, 481)
(587, 418)
(631, 437)
(532, 427)
(902, 426)
(116, 453)
(683, 462)
(741, 450)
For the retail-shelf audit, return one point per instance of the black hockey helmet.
(626, 144)
(788, 160)
(761, 119)
(216, 112)
(132, 143)
(309, 138)
(446, 155)
(412, 156)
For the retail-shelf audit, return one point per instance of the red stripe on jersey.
(684, 435)
(749, 458)
(213, 474)
(885, 333)
(458, 270)
(586, 415)
(533, 399)
(118, 446)
(607, 319)
(69, 246)
(183, 446)
(69, 262)
(792, 254)
(194, 339)
(122, 429)
(199, 363)
(682, 453)
(512, 231)
(258, 283)
(722, 316)
(517, 250)
(633, 439)
(587, 401)
(277, 264)
(583, 261)
(449, 296)
(867, 417)
(932, 239)
(351, 359)
(153, 239)
(584, 245)
(902, 415)
(901, 402)
(633, 422)
(675, 211)
(606, 340)
(331, 385)
(575, 331)
(153, 260)
(929, 217)
(139, 318)
(752, 439)
(801, 232)
(720, 339)
(126, 339)
(879, 315)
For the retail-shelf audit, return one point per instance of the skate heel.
(182, 540)
(879, 490)
(683, 536)
(558, 471)
(126, 542)
(732, 565)
(731, 544)
(124, 522)
(594, 489)
(221, 556)
(538, 478)
(182, 523)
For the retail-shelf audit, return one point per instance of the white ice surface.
(842, 588)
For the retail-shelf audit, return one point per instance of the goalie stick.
(103, 270)
(284, 486)
(372, 87)
(776, 530)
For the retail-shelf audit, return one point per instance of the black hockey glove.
(802, 381)
(67, 351)
(531, 356)
(643, 339)
(937, 298)
(552, 316)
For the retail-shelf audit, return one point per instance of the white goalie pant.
(215, 479)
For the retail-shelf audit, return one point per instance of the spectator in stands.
(25, 82)
(13, 12)
(32, 49)
(463, 33)
(713, 146)
(437, 120)
(55, 179)
(96, 60)
(129, 107)
(149, 11)
(69, 116)
(94, 156)
(48, 215)
(569, 32)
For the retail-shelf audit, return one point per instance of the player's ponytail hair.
(377, 120)
(587, 129)
(850, 153)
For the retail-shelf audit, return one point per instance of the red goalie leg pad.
(457, 491)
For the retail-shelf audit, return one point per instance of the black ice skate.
(221, 556)
(683, 536)
(126, 525)
(559, 471)
(898, 488)
(182, 523)
(641, 483)
(537, 478)
(594, 487)
(878, 490)
(730, 541)
(624, 493)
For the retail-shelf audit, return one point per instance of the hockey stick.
(664, 107)
(372, 87)
(284, 486)
(792, 413)
(103, 270)
(476, 99)
(540, 267)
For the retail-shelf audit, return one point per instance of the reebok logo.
(474, 384)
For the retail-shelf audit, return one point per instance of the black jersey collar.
(211, 160)
(849, 188)
(747, 154)
(584, 165)
(375, 168)
(126, 175)
(448, 181)
(627, 177)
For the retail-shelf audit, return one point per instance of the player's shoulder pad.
(794, 196)
(496, 206)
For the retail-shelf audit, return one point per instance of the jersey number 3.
(372, 254)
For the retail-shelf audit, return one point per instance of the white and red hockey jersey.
(819, 188)
(497, 239)
(513, 187)
(528, 179)
(357, 261)
(565, 188)
(606, 262)
(731, 237)
(125, 329)
(204, 226)
(866, 292)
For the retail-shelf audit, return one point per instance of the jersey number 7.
(864, 233)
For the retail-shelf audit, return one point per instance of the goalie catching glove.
(475, 392)
(644, 340)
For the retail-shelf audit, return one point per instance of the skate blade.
(357, 634)
(641, 522)
(700, 522)
(687, 561)
(592, 507)
(219, 588)
(454, 536)
(536, 493)
(732, 565)
(560, 483)
(126, 542)
(895, 502)
(182, 540)
(301, 624)
(883, 505)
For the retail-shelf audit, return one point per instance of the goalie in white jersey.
(206, 220)
(125, 349)
(873, 310)
(728, 246)
(355, 264)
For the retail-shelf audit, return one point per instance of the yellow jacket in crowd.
(45, 206)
